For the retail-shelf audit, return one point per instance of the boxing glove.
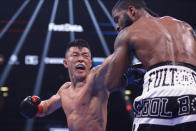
(135, 76)
(31, 106)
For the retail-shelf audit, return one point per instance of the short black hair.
(80, 43)
(138, 4)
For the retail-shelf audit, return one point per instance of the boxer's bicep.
(103, 74)
(109, 74)
(100, 72)
(117, 67)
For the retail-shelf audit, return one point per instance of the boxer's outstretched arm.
(120, 61)
(53, 103)
(109, 75)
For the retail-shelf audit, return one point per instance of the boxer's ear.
(132, 11)
(65, 63)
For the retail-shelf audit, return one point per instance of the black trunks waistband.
(170, 63)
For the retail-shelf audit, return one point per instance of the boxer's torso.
(87, 110)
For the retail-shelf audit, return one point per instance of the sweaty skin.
(84, 99)
(157, 39)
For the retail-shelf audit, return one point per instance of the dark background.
(21, 79)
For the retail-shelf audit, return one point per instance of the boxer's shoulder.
(169, 19)
(65, 86)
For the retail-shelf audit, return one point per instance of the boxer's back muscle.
(163, 39)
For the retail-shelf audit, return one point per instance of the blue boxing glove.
(135, 76)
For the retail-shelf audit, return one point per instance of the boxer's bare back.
(160, 39)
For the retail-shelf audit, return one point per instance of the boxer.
(167, 49)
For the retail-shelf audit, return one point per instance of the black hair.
(80, 43)
(124, 4)
(138, 4)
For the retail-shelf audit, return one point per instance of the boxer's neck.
(78, 83)
(141, 14)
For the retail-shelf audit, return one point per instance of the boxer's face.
(122, 19)
(78, 62)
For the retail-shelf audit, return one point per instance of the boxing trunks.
(168, 100)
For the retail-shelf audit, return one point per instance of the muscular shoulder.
(123, 37)
(182, 24)
(171, 20)
(168, 18)
(65, 86)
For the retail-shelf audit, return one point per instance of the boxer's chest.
(76, 100)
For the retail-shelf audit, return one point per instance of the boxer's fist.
(30, 106)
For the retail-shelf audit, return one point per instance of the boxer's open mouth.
(80, 67)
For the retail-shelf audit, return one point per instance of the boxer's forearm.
(50, 105)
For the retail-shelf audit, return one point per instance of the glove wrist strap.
(40, 109)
